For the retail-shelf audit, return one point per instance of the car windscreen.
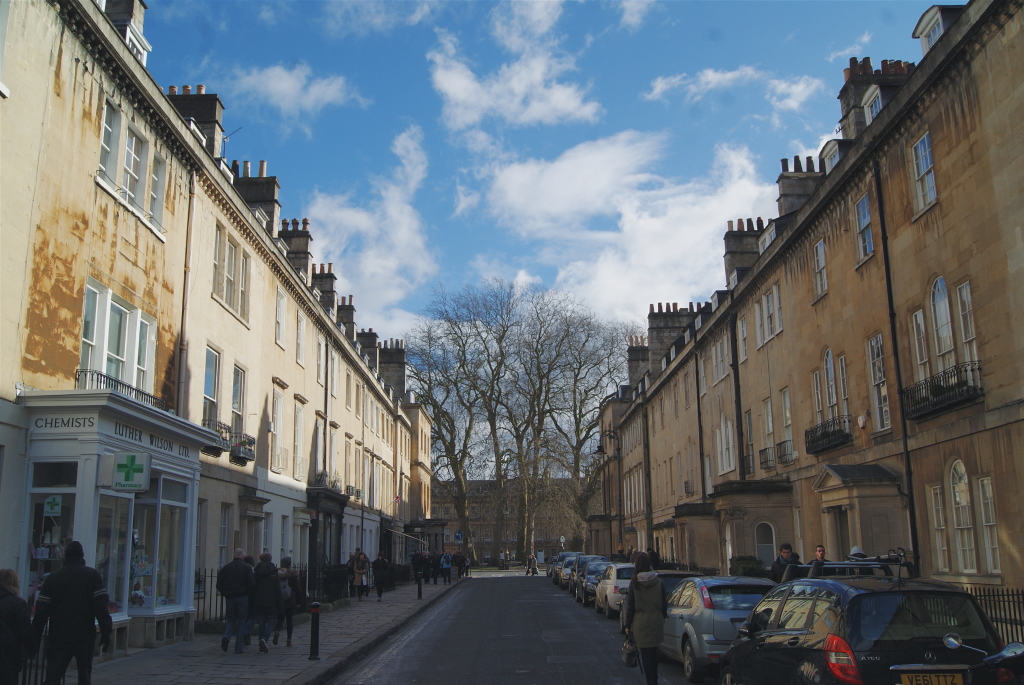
(888, 620)
(670, 583)
(737, 597)
(624, 573)
(595, 568)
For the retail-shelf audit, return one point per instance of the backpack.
(286, 589)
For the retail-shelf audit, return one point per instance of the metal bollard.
(419, 586)
(314, 631)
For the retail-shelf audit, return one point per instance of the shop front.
(121, 477)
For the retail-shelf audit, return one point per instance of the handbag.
(629, 652)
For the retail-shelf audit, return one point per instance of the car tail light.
(706, 596)
(1004, 675)
(615, 589)
(841, 662)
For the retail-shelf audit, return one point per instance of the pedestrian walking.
(380, 575)
(531, 565)
(268, 603)
(234, 583)
(73, 600)
(645, 615)
(291, 599)
(362, 571)
(469, 566)
(352, 559)
(16, 637)
(435, 566)
(655, 559)
(446, 568)
(251, 619)
(787, 557)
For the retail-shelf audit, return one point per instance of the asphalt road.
(505, 629)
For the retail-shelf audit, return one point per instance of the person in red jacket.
(72, 599)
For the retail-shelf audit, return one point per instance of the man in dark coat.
(786, 558)
(435, 566)
(269, 604)
(234, 582)
(16, 638)
(72, 599)
(380, 575)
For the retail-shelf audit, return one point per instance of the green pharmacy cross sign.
(131, 471)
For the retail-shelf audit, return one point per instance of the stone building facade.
(858, 379)
(179, 377)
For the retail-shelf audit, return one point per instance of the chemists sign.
(131, 472)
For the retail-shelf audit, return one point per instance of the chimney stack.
(741, 248)
(261, 191)
(347, 317)
(637, 359)
(298, 246)
(205, 109)
(664, 327)
(324, 280)
(367, 340)
(393, 368)
(859, 77)
(796, 186)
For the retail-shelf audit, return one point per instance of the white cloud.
(525, 91)
(854, 49)
(465, 200)
(790, 96)
(293, 92)
(542, 198)
(363, 17)
(633, 12)
(662, 85)
(381, 247)
(703, 83)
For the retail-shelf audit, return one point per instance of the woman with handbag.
(645, 616)
(362, 570)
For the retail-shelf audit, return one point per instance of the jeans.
(237, 615)
(289, 617)
(446, 575)
(268, 618)
(380, 589)
(649, 664)
(58, 658)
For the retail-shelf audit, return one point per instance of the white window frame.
(939, 530)
(876, 372)
(865, 242)
(231, 266)
(963, 528)
(872, 103)
(787, 418)
(276, 426)
(300, 338)
(769, 423)
(816, 393)
(844, 387)
(743, 339)
(942, 328)
(238, 390)
(110, 141)
(321, 358)
(297, 444)
(820, 274)
(139, 334)
(920, 330)
(924, 172)
(134, 169)
(157, 189)
(211, 385)
(986, 502)
(965, 304)
(831, 397)
(279, 317)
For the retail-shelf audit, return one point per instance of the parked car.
(555, 564)
(567, 568)
(670, 580)
(587, 577)
(563, 558)
(703, 615)
(862, 629)
(578, 569)
(612, 587)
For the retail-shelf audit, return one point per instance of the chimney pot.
(234, 168)
(186, 90)
(810, 164)
(200, 89)
(284, 224)
(330, 267)
(246, 168)
(172, 90)
(305, 227)
(691, 306)
(295, 224)
(730, 224)
(675, 306)
(846, 74)
(750, 224)
(760, 224)
(797, 167)
(263, 168)
(785, 166)
(652, 309)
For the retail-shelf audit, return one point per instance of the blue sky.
(595, 147)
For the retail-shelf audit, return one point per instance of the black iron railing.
(324, 479)
(688, 488)
(87, 379)
(943, 391)
(223, 432)
(243, 448)
(828, 435)
(1004, 607)
(784, 452)
(767, 456)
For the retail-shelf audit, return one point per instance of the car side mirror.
(746, 629)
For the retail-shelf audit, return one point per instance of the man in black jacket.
(786, 558)
(72, 599)
(16, 638)
(234, 582)
(267, 598)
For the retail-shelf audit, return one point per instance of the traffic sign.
(562, 539)
(458, 536)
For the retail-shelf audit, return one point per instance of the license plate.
(931, 679)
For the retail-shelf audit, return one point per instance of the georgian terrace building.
(858, 380)
(178, 377)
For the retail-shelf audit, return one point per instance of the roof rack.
(855, 566)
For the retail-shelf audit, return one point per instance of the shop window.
(112, 548)
(55, 474)
(53, 520)
(158, 545)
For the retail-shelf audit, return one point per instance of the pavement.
(346, 635)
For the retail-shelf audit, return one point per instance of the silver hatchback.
(703, 615)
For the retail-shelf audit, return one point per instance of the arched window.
(830, 385)
(943, 325)
(764, 543)
(960, 492)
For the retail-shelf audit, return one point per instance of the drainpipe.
(700, 429)
(907, 464)
(186, 287)
(735, 363)
(647, 475)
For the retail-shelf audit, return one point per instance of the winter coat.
(268, 587)
(235, 579)
(446, 561)
(645, 610)
(380, 571)
(16, 638)
(780, 564)
(291, 591)
(362, 567)
(72, 599)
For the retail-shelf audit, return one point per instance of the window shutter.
(760, 324)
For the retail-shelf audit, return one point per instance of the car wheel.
(609, 613)
(597, 605)
(727, 678)
(690, 670)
